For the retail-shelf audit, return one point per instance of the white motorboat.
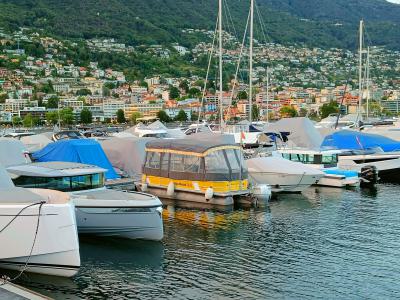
(282, 175)
(325, 161)
(37, 230)
(387, 164)
(99, 211)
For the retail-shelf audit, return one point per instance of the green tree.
(106, 91)
(52, 117)
(242, 95)
(288, 112)
(110, 85)
(135, 115)
(121, 116)
(174, 92)
(16, 120)
(181, 116)
(194, 116)
(86, 116)
(163, 116)
(303, 112)
(52, 102)
(194, 92)
(83, 92)
(67, 116)
(329, 108)
(3, 97)
(184, 85)
(30, 121)
(255, 112)
(144, 84)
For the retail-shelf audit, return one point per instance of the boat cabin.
(325, 158)
(195, 166)
(61, 176)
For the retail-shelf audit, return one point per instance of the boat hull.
(339, 182)
(388, 166)
(285, 183)
(56, 248)
(389, 175)
(125, 222)
(188, 196)
(132, 215)
(47, 264)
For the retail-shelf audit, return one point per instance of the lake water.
(327, 243)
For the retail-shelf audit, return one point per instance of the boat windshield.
(318, 159)
(65, 184)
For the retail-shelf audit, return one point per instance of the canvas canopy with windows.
(194, 160)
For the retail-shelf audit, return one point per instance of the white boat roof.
(54, 169)
(279, 165)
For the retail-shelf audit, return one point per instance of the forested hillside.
(312, 22)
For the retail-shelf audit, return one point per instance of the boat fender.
(144, 187)
(171, 189)
(209, 193)
(262, 192)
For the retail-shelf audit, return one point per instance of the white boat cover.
(155, 126)
(13, 152)
(303, 133)
(279, 165)
(126, 154)
(35, 142)
(212, 136)
(5, 180)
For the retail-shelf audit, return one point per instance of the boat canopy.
(302, 131)
(127, 154)
(86, 151)
(187, 159)
(355, 140)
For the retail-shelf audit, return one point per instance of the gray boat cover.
(186, 145)
(5, 180)
(36, 142)
(13, 152)
(303, 133)
(126, 154)
(213, 137)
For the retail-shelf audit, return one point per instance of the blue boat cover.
(85, 151)
(346, 173)
(355, 140)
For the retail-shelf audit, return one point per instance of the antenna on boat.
(267, 94)
(367, 83)
(220, 63)
(251, 61)
(360, 62)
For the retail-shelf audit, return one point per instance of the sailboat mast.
(267, 94)
(220, 63)
(251, 61)
(368, 83)
(360, 52)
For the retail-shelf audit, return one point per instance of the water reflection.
(326, 243)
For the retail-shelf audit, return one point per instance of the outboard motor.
(369, 176)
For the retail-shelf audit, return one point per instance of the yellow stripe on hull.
(219, 187)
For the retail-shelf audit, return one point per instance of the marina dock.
(10, 291)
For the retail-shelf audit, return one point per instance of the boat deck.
(10, 291)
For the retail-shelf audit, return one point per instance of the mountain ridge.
(311, 22)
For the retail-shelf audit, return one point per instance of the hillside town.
(44, 87)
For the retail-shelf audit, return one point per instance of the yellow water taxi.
(195, 170)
